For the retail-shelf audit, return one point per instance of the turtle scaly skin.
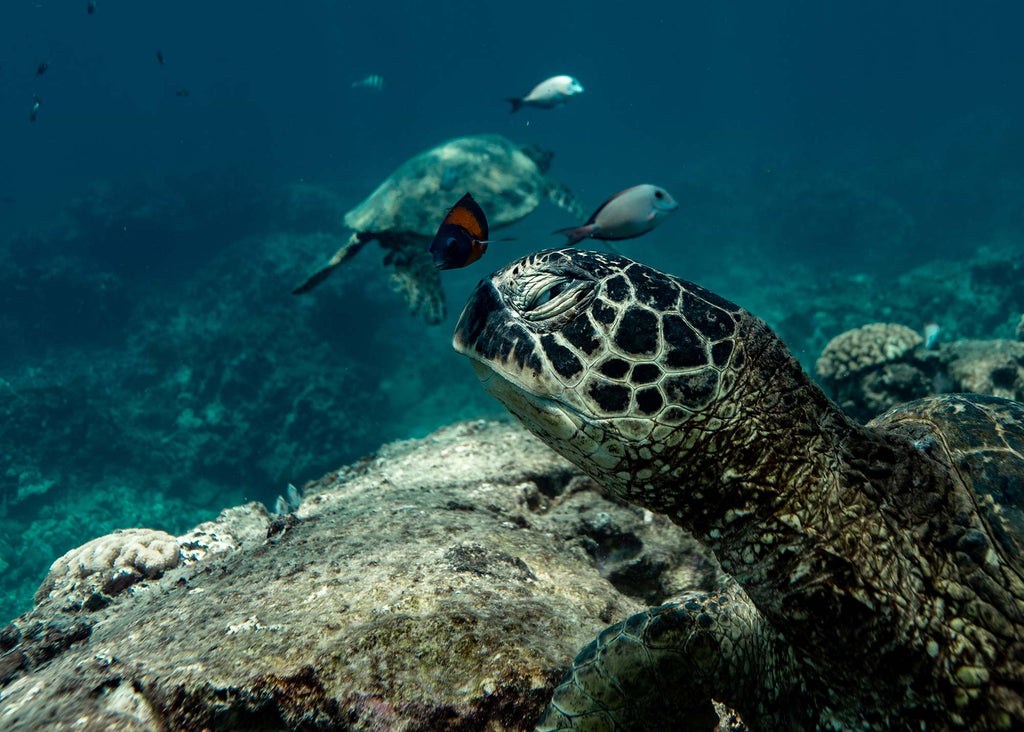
(876, 570)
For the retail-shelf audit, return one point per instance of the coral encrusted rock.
(866, 347)
(107, 566)
(993, 367)
(444, 583)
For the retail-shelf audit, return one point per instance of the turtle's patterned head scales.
(609, 358)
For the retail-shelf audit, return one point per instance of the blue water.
(853, 139)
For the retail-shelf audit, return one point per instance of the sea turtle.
(507, 180)
(875, 570)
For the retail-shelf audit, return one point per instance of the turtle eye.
(546, 294)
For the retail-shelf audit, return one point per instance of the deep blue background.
(666, 84)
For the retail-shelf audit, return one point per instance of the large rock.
(444, 583)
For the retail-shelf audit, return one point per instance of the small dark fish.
(462, 237)
(160, 57)
(91, 7)
(180, 91)
(33, 112)
(41, 69)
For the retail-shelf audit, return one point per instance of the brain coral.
(110, 564)
(864, 347)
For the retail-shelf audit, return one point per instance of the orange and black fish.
(462, 238)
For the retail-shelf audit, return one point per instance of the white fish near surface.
(627, 214)
(374, 82)
(549, 93)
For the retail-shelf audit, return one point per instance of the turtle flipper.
(664, 669)
(419, 282)
(560, 195)
(349, 250)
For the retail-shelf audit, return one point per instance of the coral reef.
(994, 367)
(107, 566)
(442, 583)
(126, 405)
(866, 347)
(160, 391)
(1019, 331)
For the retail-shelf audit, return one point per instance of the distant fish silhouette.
(160, 57)
(91, 7)
(41, 69)
(33, 112)
(549, 93)
(373, 82)
(180, 91)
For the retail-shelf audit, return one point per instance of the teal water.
(834, 166)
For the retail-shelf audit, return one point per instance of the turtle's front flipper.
(565, 199)
(349, 250)
(661, 669)
(418, 281)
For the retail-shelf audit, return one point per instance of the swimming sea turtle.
(876, 570)
(507, 180)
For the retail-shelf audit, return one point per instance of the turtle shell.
(983, 439)
(504, 181)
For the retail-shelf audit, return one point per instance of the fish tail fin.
(575, 234)
(340, 257)
(516, 103)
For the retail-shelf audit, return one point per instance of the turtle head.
(617, 366)
(541, 156)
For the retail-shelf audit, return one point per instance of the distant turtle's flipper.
(419, 282)
(355, 243)
(561, 196)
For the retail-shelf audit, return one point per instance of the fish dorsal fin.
(600, 208)
(468, 215)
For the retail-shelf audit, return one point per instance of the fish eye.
(451, 243)
(659, 194)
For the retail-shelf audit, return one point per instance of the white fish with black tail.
(627, 214)
(549, 93)
(373, 82)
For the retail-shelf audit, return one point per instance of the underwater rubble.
(444, 582)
